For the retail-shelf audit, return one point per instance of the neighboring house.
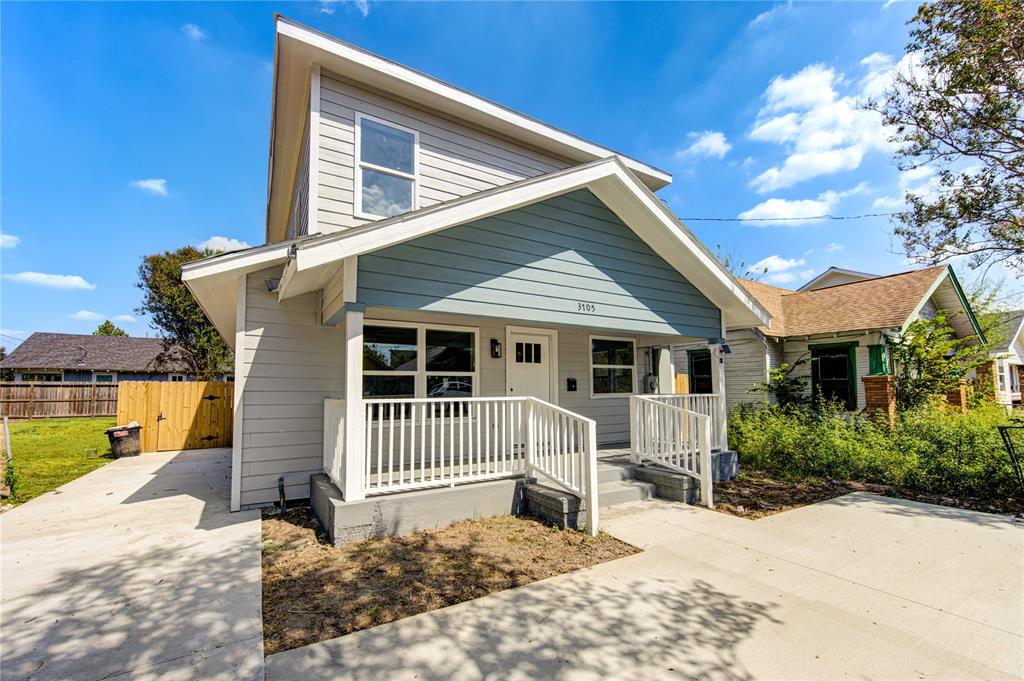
(842, 321)
(79, 357)
(423, 245)
(1009, 358)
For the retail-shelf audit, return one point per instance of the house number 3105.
(586, 307)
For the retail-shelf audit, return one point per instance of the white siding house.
(454, 293)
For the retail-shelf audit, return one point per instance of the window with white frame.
(176, 378)
(419, 360)
(1014, 377)
(99, 377)
(386, 168)
(1002, 376)
(612, 366)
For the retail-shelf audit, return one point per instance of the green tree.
(5, 374)
(107, 328)
(931, 360)
(785, 387)
(187, 334)
(960, 111)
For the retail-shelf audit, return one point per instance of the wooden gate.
(178, 415)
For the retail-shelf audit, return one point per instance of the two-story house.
(454, 296)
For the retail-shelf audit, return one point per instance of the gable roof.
(1010, 327)
(309, 258)
(880, 303)
(80, 352)
(299, 47)
(831, 271)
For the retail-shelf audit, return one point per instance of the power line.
(807, 217)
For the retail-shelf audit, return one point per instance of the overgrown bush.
(930, 449)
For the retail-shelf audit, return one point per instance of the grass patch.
(47, 453)
(313, 591)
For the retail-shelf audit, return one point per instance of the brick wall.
(880, 396)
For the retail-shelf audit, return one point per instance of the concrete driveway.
(860, 587)
(136, 570)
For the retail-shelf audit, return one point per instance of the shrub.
(930, 449)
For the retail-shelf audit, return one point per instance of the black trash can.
(125, 440)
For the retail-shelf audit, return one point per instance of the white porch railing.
(707, 404)
(673, 437)
(418, 443)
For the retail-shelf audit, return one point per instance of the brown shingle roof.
(879, 303)
(88, 353)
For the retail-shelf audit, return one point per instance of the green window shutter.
(877, 361)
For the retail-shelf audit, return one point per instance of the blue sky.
(133, 128)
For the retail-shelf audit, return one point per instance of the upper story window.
(386, 166)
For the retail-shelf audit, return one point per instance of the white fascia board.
(238, 260)
(610, 181)
(419, 87)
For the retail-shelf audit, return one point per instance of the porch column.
(720, 421)
(353, 463)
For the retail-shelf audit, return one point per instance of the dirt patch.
(756, 494)
(313, 591)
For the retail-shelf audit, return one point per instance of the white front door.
(529, 366)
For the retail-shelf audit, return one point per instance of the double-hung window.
(386, 168)
(612, 366)
(413, 360)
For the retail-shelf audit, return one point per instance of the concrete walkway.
(860, 587)
(136, 570)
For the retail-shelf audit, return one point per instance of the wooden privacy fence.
(33, 400)
(178, 415)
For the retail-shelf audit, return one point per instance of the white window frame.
(590, 361)
(176, 378)
(112, 374)
(360, 164)
(421, 373)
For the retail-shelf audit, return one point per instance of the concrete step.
(624, 491)
(610, 471)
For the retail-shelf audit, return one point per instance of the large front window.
(612, 366)
(385, 168)
(419, 361)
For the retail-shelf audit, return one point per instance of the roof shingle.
(88, 353)
(879, 303)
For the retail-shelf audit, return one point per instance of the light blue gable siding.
(568, 260)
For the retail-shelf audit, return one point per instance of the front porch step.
(611, 470)
(624, 491)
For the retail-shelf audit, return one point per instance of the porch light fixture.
(495, 348)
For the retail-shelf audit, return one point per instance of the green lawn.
(46, 453)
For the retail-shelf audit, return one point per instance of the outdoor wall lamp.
(495, 348)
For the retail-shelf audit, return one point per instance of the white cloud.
(125, 318)
(822, 131)
(777, 269)
(194, 32)
(223, 243)
(86, 315)
(799, 211)
(920, 181)
(155, 186)
(833, 247)
(328, 6)
(768, 15)
(66, 281)
(709, 143)
(9, 240)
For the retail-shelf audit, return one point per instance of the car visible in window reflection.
(452, 389)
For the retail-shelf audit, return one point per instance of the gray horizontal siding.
(455, 159)
(538, 264)
(292, 364)
(298, 217)
(745, 366)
